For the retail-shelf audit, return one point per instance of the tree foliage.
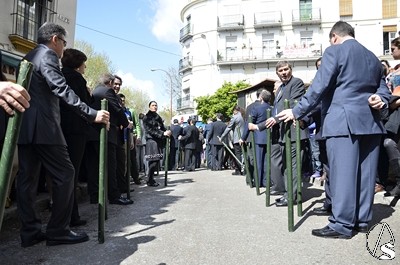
(136, 99)
(96, 64)
(220, 102)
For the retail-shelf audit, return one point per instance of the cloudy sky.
(137, 35)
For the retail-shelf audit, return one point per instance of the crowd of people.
(348, 117)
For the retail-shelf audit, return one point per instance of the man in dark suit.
(217, 151)
(259, 115)
(189, 138)
(41, 142)
(176, 130)
(206, 132)
(117, 119)
(352, 89)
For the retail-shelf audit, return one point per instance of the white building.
(232, 40)
(20, 20)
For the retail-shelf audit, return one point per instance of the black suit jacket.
(176, 131)
(41, 121)
(117, 113)
(190, 137)
(217, 129)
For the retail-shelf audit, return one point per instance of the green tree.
(136, 99)
(222, 101)
(96, 64)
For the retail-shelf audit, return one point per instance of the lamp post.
(170, 84)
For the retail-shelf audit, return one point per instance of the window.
(29, 15)
(346, 8)
(305, 10)
(389, 8)
(268, 45)
(306, 38)
(231, 47)
(389, 33)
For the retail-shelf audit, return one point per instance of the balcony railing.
(263, 53)
(185, 64)
(184, 102)
(231, 22)
(186, 32)
(306, 16)
(267, 19)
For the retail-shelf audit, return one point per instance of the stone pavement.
(203, 217)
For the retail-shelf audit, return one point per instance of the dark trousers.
(93, 168)
(133, 165)
(260, 156)
(217, 152)
(140, 157)
(278, 183)
(55, 159)
(238, 153)
(190, 159)
(76, 149)
(153, 166)
(121, 167)
(173, 158)
(250, 160)
(209, 156)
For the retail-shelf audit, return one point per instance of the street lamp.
(170, 84)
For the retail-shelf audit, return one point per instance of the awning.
(10, 59)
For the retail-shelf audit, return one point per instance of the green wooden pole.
(128, 164)
(246, 162)
(166, 161)
(298, 171)
(289, 179)
(102, 176)
(11, 137)
(256, 177)
(268, 166)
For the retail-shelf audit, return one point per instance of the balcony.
(231, 22)
(267, 19)
(306, 16)
(261, 54)
(185, 64)
(185, 102)
(186, 33)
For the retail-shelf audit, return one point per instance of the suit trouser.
(76, 149)
(277, 179)
(353, 162)
(324, 160)
(260, 156)
(93, 148)
(217, 156)
(121, 167)
(250, 159)
(133, 165)
(209, 156)
(238, 153)
(190, 159)
(55, 159)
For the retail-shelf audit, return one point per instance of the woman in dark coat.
(155, 139)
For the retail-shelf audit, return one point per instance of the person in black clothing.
(176, 130)
(74, 127)
(155, 136)
(190, 137)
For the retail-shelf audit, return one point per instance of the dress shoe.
(71, 238)
(284, 203)
(280, 199)
(137, 181)
(327, 232)
(276, 193)
(153, 184)
(37, 239)
(77, 223)
(361, 229)
(322, 211)
(121, 201)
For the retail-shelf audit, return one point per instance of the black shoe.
(322, 211)
(121, 201)
(282, 203)
(236, 173)
(137, 182)
(71, 238)
(37, 239)
(77, 223)
(276, 193)
(361, 229)
(327, 232)
(153, 184)
(280, 199)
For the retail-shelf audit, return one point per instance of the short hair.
(316, 62)
(73, 58)
(119, 78)
(219, 116)
(121, 95)
(152, 102)
(48, 30)
(175, 120)
(342, 29)
(265, 96)
(189, 120)
(282, 64)
(106, 78)
(259, 91)
(396, 42)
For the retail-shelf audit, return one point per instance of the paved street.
(203, 217)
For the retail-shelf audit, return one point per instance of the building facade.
(232, 40)
(20, 20)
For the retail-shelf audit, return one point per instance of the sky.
(137, 35)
